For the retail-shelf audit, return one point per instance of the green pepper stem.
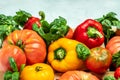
(82, 51)
(93, 33)
(42, 15)
(60, 53)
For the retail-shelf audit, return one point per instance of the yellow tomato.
(38, 71)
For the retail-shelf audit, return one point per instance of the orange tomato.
(99, 60)
(30, 42)
(11, 51)
(78, 75)
(113, 45)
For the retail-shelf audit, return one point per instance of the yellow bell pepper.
(38, 71)
(67, 54)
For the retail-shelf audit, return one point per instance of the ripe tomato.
(11, 51)
(78, 75)
(31, 43)
(99, 60)
(114, 45)
(38, 71)
(69, 33)
(117, 73)
(117, 33)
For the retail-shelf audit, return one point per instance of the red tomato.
(78, 75)
(117, 73)
(99, 60)
(113, 45)
(31, 43)
(11, 51)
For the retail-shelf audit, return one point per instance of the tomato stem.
(20, 44)
(60, 53)
(93, 33)
(38, 68)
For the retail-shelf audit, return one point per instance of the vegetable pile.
(31, 48)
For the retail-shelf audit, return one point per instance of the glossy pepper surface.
(67, 54)
(90, 32)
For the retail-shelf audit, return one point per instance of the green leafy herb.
(22, 67)
(14, 74)
(7, 25)
(21, 17)
(116, 59)
(7, 75)
(13, 64)
(51, 32)
(109, 78)
(108, 21)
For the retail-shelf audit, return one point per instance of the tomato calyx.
(103, 56)
(59, 53)
(38, 68)
(20, 44)
(93, 33)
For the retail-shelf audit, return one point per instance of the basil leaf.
(7, 75)
(51, 32)
(116, 59)
(15, 76)
(13, 64)
(21, 17)
(109, 78)
(7, 25)
(116, 23)
(22, 67)
(106, 22)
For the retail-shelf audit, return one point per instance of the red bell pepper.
(31, 21)
(90, 33)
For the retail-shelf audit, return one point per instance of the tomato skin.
(33, 45)
(38, 71)
(113, 45)
(117, 73)
(31, 21)
(11, 51)
(78, 75)
(117, 33)
(69, 33)
(99, 60)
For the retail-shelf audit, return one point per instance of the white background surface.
(74, 11)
